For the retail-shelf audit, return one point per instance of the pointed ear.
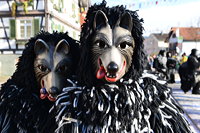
(62, 47)
(100, 20)
(125, 21)
(40, 46)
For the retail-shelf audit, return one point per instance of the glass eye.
(101, 44)
(62, 69)
(124, 45)
(43, 68)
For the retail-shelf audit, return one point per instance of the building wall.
(151, 45)
(7, 25)
(8, 64)
(188, 46)
(68, 11)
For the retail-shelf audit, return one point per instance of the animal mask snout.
(53, 90)
(112, 68)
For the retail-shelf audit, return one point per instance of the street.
(190, 104)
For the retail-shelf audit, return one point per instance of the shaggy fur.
(22, 110)
(135, 103)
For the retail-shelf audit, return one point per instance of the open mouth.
(44, 94)
(110, 77)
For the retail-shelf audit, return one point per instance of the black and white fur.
(134, 103)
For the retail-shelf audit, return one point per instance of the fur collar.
(26, 109)
(130, 106)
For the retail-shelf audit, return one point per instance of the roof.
(188, 33)
(160, 36)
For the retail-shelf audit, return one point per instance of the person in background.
(184, 58)
(188, 72)
(193, 66)
(171, 68)
(160, 64)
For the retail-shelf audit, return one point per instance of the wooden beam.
(41, 23)
(14, 0)
(8, 5)
(37, 4)
(10, 50)
(5, 33)
(4, 27)
(4, 38)
(31, 13)
(64, 21)
(47, 16)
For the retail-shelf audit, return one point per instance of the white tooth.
(107, 74)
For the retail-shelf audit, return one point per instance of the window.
(25, 29)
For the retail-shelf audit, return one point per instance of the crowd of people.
(165, 65)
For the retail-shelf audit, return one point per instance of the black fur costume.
(21, 109)
(135, 103)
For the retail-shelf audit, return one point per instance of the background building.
(183, 39)
(155, 42)
(22, 19)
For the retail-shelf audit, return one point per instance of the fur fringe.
(129, 106)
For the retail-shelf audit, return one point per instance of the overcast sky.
(161, 15)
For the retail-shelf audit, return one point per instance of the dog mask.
(51, 67)
(112, 47)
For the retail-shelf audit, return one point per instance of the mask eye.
(101, 44)
(124, 45)
(62, 69)
(43, 68)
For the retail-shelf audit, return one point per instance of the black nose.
(112, 68)
(53, 90)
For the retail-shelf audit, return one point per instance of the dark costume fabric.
(187, 73)
(135, 103)
(171, 69)
(21, 109)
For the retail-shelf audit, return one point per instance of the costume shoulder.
(21, 111)
(133, 106)
(164, 108)
(6, 123)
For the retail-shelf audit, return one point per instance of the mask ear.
(62, 47)
(100, 20)
(125, 21)
(40, 46)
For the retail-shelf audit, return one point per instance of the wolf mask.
(51, 66)
(47, 63)
(114, 42)
(112, 48)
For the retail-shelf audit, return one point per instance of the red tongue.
(43, 96)
(51, 98)
(101, 73)
(43, 93)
